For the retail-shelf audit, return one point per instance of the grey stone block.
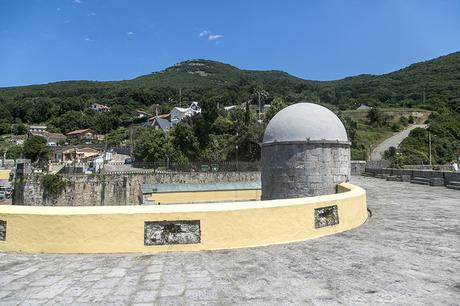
(326, 216)
(437, 181)
(172, 232)
(292, 170)
(2, 230)
(406, 178)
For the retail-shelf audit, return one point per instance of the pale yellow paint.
(112, 229)
(205, 196)
(5, 174)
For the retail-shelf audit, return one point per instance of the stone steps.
(394, 178)
(420, 181)
(453, 185)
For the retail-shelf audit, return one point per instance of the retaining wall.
(191, 227)
(113, 189)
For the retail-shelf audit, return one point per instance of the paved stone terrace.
(406, 254)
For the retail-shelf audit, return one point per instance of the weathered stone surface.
(172, 232)
(115, 189)
(292, 170)
(405, 254)
(2, 230)
(326, 216)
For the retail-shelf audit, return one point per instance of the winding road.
(393, 141)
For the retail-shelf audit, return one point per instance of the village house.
(179, 113)
(37, 128)
(100, 108)
(18, 139)
(364, 107)
(75, 155)
(52, 139)
(162, 122)
(82, 135)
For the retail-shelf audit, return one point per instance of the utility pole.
(180, 97)
(429, 145)
(260, 107)
(131, 139)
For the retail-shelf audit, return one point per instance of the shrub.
(53, 183)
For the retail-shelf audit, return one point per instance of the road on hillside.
(393, 141)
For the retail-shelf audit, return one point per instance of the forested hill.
(428, 84)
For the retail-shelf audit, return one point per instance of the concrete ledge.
(121, 229)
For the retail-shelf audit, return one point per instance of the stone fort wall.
(113, 189)
(292, 170)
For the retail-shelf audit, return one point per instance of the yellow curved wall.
(5, 174)
(205, 196)
(113, 229)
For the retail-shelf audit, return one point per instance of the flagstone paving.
(406, 254)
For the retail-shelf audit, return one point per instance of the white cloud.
(207, 35)
(215, 37)
(203, 33)
(92, 14)
(129, 33)
(58, 9)
(76, 1)
(87, 39)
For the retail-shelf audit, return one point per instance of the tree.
(184, 139)
(71, 120)
(222, 125)
(259, 95)
(116, 137)
(5, 128)
(377, 118)
(19, 129)
(14, 152)
(276, 105)
(154, 146)
(35, 149)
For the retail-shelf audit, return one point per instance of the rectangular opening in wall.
(2, 230)
(172, 232)
(326, 216)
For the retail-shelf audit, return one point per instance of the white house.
(179, 113)
(37, 128)
(100, 108)
(364, 107)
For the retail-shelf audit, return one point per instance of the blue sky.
(51, 40)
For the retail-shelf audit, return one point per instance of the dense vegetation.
(64, 106)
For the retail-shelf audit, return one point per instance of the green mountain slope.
(423, 84)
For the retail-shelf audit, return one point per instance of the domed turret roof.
(305, 122)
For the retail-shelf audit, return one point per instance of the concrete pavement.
(408, 253)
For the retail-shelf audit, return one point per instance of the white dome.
(305, 122)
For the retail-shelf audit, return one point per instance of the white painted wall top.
(305, 122)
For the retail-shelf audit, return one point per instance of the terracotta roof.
(164, 116)
(49, 136)
(88, 150)
(77, 132)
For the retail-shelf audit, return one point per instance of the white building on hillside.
(179, 113)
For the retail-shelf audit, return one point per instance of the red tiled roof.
(88, 150)
(78, 132)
